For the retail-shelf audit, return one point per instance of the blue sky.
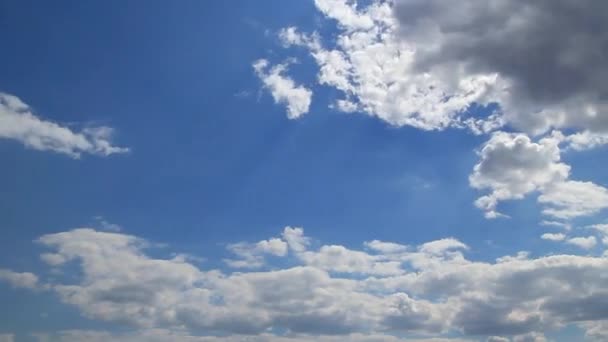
(147, 121)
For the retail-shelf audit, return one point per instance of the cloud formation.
(17, 279)
(512, 166)
(283, 89)
(535, 69)
(18, 122)
(430, 289)
(549, 55)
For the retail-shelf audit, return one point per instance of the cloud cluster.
(19, 279)
(533, 68)
(372, 294)
(164, 335)
(512, 165)
(549, 55)
(426, 64)
(18, 122)
(283, 89)
(374, 70)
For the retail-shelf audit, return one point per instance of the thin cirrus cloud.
(18, 122)
(325, 293)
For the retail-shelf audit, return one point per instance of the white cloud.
(283, 89)
(553, 237)
(385, 247)
(18, 122)
(295, 238)
(442, 246)
(586, 140)
(252, 255)
(512, 166)
(558, 224)
(435, 290)
(574, 198)
(546, 54)
(17, 279)
(373, 69)
(340, 259)
(425, 64)
(583, 242)
(164, 335)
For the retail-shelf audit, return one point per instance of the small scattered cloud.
(283, 89)
(18, 122)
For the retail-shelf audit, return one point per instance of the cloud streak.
(18, 122)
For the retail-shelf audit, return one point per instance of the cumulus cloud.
(512, 166)
(252, 255)
(326, 293)
(553, 237)
(426, 64)
(583, 242)
(550, 55)
(373, 69)
(18, 122)
(586, 140)
(530, 68)
(283, 89)
(571, 199)
(165, 335)
(19, 279)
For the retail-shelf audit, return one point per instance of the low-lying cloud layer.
(376, 293)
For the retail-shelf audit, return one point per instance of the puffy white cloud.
(294, 236)
(440, 247)
(547, 54)
(252, 255)
(583, 242)
(385, 247)
(425, 64)
(558, 224)
(553, 237)
(586, 140)
(343, 260)
(512, 165)
(18, 122)
(436, 291)
(19, 279)
(374, 69)
(573, 198)
(283, 89)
